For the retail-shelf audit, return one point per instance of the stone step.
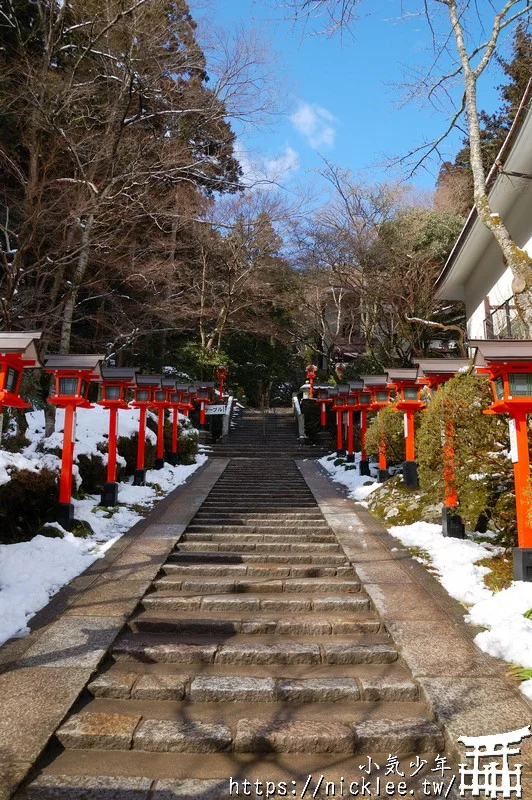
(253, 650)
(120, 684)
(201, 556)
(290, 585)
(236, 545)
(252, 533)
(258, 570)
(252, 623)
(338, 604)
(258, 518)
(254, 733)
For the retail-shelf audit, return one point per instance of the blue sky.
(338, 96)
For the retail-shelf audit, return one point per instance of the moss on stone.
(393, 504)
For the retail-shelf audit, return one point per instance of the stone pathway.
(234, 638)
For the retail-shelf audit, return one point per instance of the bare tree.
(465, 40)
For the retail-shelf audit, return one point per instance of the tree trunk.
(70, 305)
(514, 257)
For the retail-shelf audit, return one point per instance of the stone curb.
(468, 691)
(43, 674)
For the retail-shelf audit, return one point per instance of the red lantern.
(116, 382)
(204, 392)
(433, 372)
(221, 374)
(18, 351)
(179, 398)
(144, 396)
(509, 365)
(72, 379)
(381, 396)
(311, 372)
(408, 389)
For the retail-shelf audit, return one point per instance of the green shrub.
(483, 471)
(127, 448)
(311, 411)
(188, 445)
(389, 424)
(92, 471)
(27, 502)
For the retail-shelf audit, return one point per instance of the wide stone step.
(120, 684)
(195, 585)
(252, 650)
(259, 518)
(251, 533)
(254, 733)
(200, 556)
(223, 509)
(252, 623)
(338, 604)
(235, 545)
(258, 570)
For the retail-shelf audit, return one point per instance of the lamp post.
(408, 389)
(18, 351)
(160, 403)
(352, 404)
(381, 396)
(364, 401)
(323, 398)
(221, 374)
(72, 379)
(509, 365)
(203, 395)
(116, 381)
(179, 398)
(434, 372)
(340, 406)
(311, 372)
(143, 399)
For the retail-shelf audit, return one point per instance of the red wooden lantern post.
(340, 406)
(352, 405)
(116, 381)
(364, 400)
(322, 397)
(160, 403)
(203, 395)
(221, 374)
(381, 396)
(433, 372)
(311, 372)
(18, 351)
(408, 389)
(179, 399)
(72, 379)
(509, 365)
(143, 399)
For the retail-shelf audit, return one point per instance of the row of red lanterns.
(509, 366)
(73, 375)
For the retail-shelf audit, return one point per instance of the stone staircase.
(255, 653)
(265, 434)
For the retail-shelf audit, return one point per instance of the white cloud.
(260, 170)
(315, 123)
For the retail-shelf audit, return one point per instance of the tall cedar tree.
(109, 140)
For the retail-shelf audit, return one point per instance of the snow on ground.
(360, 486)
(508, 633)
(31, 572)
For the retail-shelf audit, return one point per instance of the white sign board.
(405, 424)
(513, 441)
(211, 410)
